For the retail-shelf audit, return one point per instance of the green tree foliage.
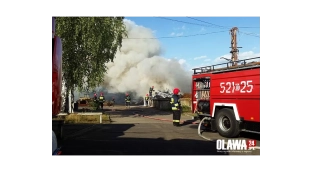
(88, 44)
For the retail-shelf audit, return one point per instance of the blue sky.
(202, 50)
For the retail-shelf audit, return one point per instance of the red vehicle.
(56, 88)
(56, 71)
(227, 98)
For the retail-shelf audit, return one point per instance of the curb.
(167, 120)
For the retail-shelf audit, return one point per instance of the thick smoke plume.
(138, 65)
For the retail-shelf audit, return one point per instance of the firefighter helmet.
(176, 91)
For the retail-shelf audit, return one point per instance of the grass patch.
(189, 114)
(186, 109)
(75, 118)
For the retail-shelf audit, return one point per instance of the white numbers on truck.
(228, 84)
(231, 87)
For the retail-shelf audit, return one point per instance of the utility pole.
(234, 49)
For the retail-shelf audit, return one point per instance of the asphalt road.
(134, 135)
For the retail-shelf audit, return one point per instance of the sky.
(206, 38)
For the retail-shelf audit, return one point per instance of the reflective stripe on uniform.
(172, 101)
(176, 120)
(174, 108)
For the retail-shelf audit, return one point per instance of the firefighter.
(95, 97)
(176, 107)
(95, 100)
(146, 99)
(101, 100)
(127, 100)
(113, 102)
(151, 91)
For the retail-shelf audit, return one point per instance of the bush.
(93, 104)
(186, 108)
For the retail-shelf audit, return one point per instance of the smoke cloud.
(139, 65)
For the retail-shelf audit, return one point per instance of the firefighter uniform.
(176, 107)
(95, 100)
(128, 99)
(151, 91)
(101, 101)
(146, 99)
(95, 97)
(113, 102)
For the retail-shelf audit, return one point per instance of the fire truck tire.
(226, 123)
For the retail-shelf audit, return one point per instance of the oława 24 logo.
(235, 145)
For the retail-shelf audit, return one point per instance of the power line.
(169, 37)
(250, 34)
(211, 25)
(219, 25)
(183, 21)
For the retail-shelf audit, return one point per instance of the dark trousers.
(176, 117)
(101, 105)
(127, 103)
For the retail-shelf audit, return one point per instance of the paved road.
(132, 136)
(137, 138)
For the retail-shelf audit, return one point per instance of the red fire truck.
(56, 89)
(226, 97)
(56, 71)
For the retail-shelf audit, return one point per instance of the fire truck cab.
(226, 97)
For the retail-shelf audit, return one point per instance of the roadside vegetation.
(89, 43)
(76, 118)
(186, 110)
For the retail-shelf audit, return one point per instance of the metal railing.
(244, 63)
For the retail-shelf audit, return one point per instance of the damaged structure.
(161, 100)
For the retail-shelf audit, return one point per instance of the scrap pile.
(162, 94)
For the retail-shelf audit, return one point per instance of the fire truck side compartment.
(245, 105)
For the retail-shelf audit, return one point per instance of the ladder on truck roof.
(244, 64)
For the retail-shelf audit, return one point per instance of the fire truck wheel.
(226, 123)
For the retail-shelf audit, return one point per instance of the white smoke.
(138, 66)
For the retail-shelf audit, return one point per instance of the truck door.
(201, 94)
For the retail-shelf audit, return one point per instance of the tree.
(88, 44)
